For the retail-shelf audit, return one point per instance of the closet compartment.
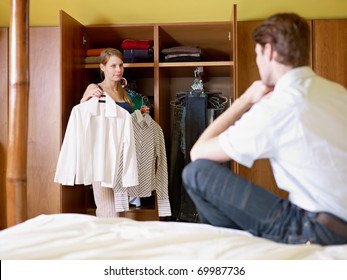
(139, 74)
(176, 79)
(215, 39)
(216, 66)
(102, 36)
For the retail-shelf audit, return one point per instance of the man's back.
(310, 159)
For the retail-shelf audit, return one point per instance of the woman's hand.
(145, 109)
(91, 91)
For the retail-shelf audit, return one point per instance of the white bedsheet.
(77, 236)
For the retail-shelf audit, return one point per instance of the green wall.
(46, 12)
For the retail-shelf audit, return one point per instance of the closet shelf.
(126, 65)
(186, 69)
(196, 63)
(169, 64)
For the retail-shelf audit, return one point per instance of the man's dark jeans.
(227, 200)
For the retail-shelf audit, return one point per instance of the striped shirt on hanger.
(152, 165)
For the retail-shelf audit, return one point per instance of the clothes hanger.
(102, 98)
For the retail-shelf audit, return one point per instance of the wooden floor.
(141, 214)
(138, 213)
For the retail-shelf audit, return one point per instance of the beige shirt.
(152, 165)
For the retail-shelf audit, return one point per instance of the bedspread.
(79, 236)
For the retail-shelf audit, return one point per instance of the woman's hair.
(104, 58)
(289, 35)
(107, 53)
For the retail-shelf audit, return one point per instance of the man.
(298, 121)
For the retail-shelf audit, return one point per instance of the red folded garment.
(128, 44)
(94, 52)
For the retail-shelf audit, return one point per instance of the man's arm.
(207, 146)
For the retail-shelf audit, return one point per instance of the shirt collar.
(294, 75)
(142, 118)
(110, 106)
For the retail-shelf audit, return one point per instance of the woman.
(111, 69)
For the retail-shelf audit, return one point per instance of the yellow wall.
(45, 12)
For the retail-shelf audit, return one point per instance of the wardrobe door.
(72, 64)
(329, 49)
(44, 122)
(3, 120)
(261, 172)
(72, 34)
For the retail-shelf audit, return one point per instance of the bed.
(83, 237)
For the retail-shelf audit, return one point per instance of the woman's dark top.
(124, 105)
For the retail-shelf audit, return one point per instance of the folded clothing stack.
(137, 50)
(183, 53)
(93, 56)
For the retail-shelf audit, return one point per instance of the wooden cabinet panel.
(4, 39)
(72, 55)
(261, 172)
(329, 49)
(44, 121)
(247, 68)
(73, 84)
(56, 85)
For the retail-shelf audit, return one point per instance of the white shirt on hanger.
(96, 135)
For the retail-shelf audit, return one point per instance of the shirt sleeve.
(67, 160)
(130, 170)
(251, 137)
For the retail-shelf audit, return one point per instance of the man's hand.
(256, 92)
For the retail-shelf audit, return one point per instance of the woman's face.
(113, 69)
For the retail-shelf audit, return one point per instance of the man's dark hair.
(289, 35)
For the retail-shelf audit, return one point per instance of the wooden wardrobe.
(58, 77)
